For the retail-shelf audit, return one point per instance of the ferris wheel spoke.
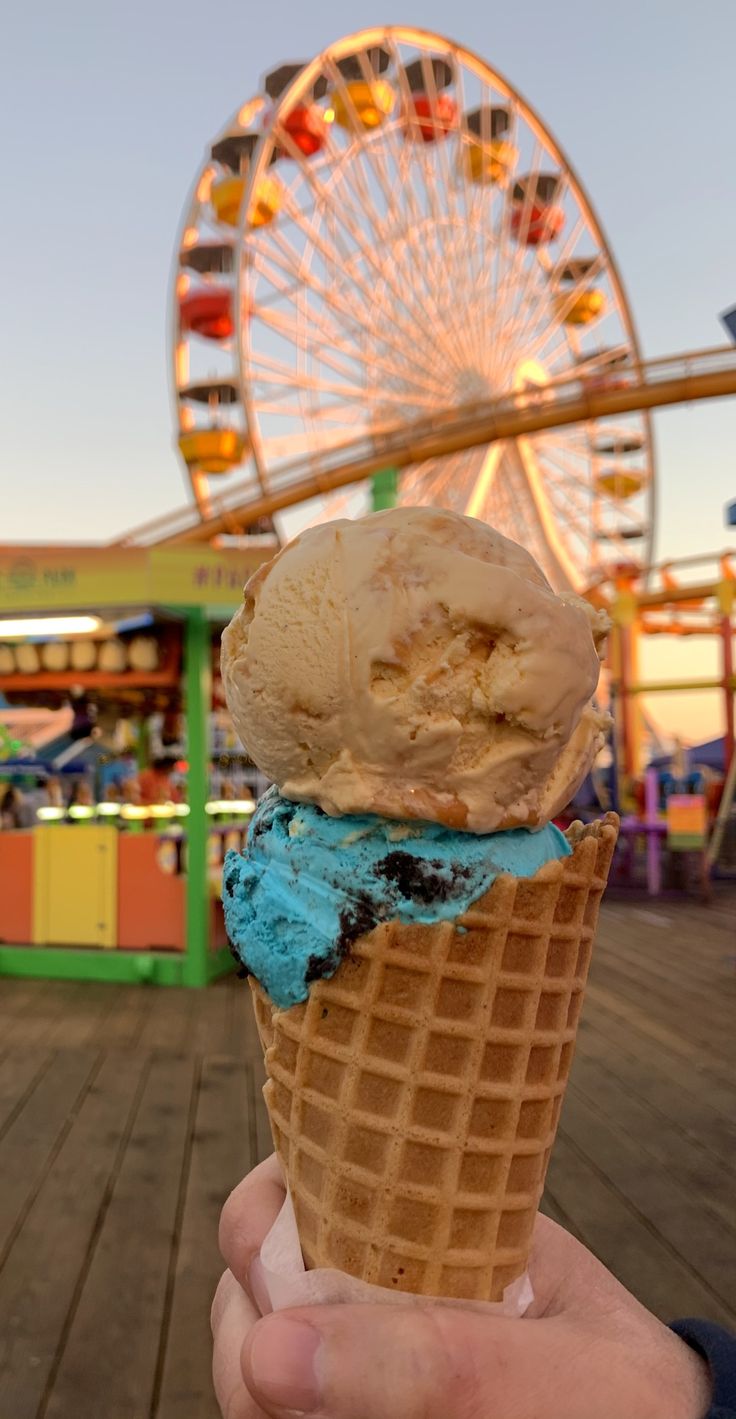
(393, 189)
(282, 257)
(511, 259)
(463, 273)
(407, 161)
(324, 353)
(349, 325)
(279, 388)
(378, 264)
(464, 268)
(558, 360)
(355, 318)
(496, 219)
(536, 319)
(537, 347)
(532, 307)
(349, 190)
(531, 340)
(564, 490)
(572, 514)
(476, 201)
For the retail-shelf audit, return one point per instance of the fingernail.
(258, 1288)
(281, 1361)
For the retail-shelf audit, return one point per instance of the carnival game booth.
(121, 882)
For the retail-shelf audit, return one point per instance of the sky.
(106, 111)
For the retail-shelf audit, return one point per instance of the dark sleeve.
(718, 1349)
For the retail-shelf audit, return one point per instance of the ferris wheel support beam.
(485, 481)
(653, 385)
(555, 545)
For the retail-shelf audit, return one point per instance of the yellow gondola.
(362, 105)
(212, 450)
(489, 162)
(581, 309)
(227, 198)
(620, 483)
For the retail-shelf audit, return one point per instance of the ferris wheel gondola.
(409, 240)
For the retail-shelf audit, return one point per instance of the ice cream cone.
(414, 1097)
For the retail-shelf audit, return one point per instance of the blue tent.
(709, 755)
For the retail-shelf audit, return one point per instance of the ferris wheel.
(387, 235)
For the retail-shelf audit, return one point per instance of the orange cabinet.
(151, 894)
(16, 888)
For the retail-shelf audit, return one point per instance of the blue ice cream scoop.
(307, 885)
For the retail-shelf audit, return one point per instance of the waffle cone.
(414, 1097)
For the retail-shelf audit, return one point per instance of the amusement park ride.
(388, 265)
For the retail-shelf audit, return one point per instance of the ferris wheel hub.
(472, 386)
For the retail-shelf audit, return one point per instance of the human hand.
(586, 1347)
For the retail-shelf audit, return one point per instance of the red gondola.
(306, 127)
(207, 313)
(438, 116)
(535, 218)
(538, 224)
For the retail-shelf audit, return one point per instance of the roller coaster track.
(589, 395)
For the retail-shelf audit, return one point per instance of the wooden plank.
(244, 1040)
(675, 1000)
(634, 1030)
(669, 995)
(16, 997)
(623, 1240)
(666, 1019)
(678, 1216)
(688, 930)
(169, 1026)
(108, 1363)
(35, 1135)
(675, 1040)
(234, 1045)
(671, 1089)
(84, 1017)
(672, 929)
(221, 1155)
(133, 1006)
(43, 1005)
(708, 1180)
(20, 1072)
(211, 1019)
(700, 980)
(48, 1258)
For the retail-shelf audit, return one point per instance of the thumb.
(412, 1362)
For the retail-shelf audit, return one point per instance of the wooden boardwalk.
(126, 1115)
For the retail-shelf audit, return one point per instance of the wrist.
(687, 1389)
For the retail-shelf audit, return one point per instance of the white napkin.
(288, 1283)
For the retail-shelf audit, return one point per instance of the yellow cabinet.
(75, 886)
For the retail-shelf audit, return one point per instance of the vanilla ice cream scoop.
(416, 664)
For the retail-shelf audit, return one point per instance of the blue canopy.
(709, 755)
